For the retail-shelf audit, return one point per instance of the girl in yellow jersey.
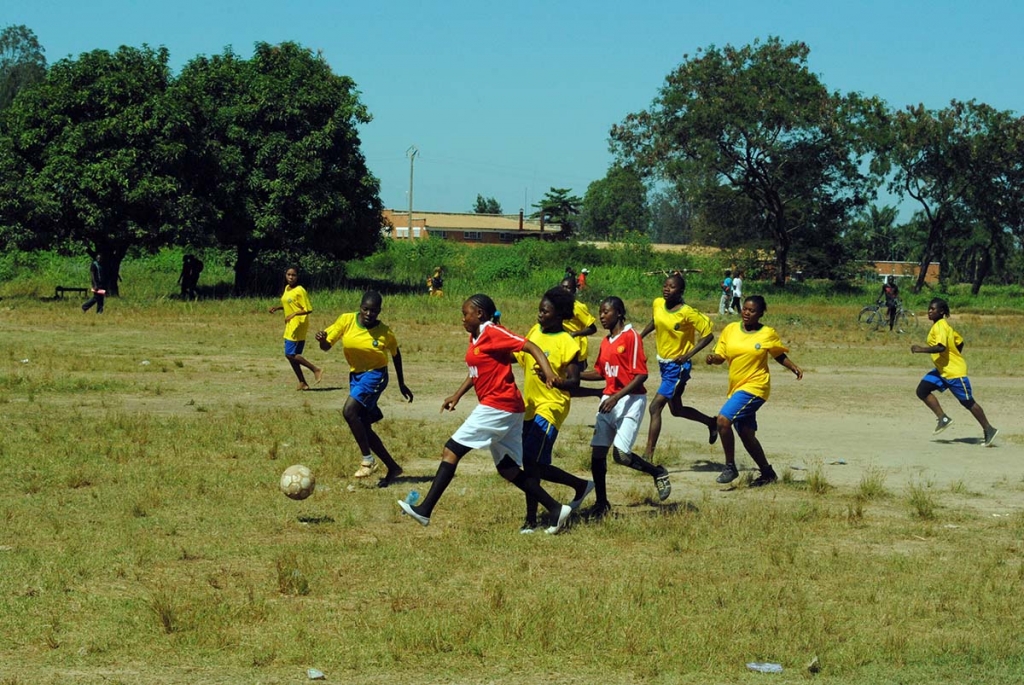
(547, 407)
(681, 332)
(945, 346)
(297, 307)
(367, 343)
(746, 346)
(582, 323)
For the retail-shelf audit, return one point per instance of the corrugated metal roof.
(442, 221)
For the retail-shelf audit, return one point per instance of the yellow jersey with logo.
(366, 349)
(561, 350)
(676, 332)
(747, 354)
(949, 364)
(295, 299)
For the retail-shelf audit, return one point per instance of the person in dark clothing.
(97, 275)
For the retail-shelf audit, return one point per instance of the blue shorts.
(366, 388)
(294, 347)
(741, 409)
(960, 387)
(674, 378)
(539, 437)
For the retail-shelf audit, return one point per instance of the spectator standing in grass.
(367, 343)
(890, 296)
(737, 290)
(946, 347)
(581, 280)
(98, 280)
(191, 267)
(680, 332)
(497, 421)
(297, 307)
(746, 346)
(725, 301)
(623, 367)
(547, 407)
(582, 324)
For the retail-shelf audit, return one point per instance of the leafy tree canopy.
(486, 205)
(22, 63)
(278, 161)
(963, 166)
(559, 207)
(91, 159)
(755, 119)
(615, 205)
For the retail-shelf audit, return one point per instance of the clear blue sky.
(508, 101)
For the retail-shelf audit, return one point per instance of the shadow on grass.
(315, 520)
(706, 465)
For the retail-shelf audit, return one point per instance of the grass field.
(144, 539)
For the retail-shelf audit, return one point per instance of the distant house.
(904, 270)
(490, 229)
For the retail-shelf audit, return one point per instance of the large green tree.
(277, 158)
(756, 120)
(962, 166)
(22, 62)
(93, 158)
(559, 207)
(615, 205)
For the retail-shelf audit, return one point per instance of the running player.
(946, 346)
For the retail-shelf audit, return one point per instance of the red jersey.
(489, 359)
(620, 360)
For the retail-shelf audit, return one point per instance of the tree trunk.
(782, 245)
(982, 270)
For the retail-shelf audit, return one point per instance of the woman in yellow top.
(548, 407)
(746, 346)
(680, 332)
(582, 323)
(297, 307)
(945, 346)
(367, 343)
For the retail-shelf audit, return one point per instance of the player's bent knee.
(620, 458)
(458, 449)
(924, 389)
(968, 404)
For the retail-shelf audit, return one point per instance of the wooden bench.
(58, 293)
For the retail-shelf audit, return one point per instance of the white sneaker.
(563, 516)
(420, 518)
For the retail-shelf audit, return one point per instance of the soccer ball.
(297, 482)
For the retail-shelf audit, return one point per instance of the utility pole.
(411, 154)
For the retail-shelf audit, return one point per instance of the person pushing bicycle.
(891, 296)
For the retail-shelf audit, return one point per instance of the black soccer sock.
(599, 469)
(634, 462)
(553, 474)
(444, 475)
(531, 486)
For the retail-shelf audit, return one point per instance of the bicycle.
(876, 316)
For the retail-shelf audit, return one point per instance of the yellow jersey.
(581, 319)
(561, 350)
(366, 349)
(747, 354)
(676, 333)
(294, 300)
(949, 364)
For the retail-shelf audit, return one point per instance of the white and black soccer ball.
(297, 482)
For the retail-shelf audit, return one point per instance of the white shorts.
(620, 426)
(502, 431)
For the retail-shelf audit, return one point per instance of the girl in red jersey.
(497, 421)
(623, 367)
